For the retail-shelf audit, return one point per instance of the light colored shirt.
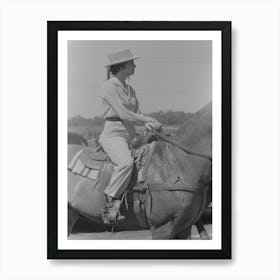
(121, 102)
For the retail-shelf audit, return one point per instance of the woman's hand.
(153, 124)
(148, 126)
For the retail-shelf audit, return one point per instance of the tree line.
(165, 117)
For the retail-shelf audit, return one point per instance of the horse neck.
(196, 136)
(168, 162)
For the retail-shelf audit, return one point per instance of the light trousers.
(115, 140)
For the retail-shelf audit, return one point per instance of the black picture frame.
(53, 27)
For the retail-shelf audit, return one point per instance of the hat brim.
(121, 61)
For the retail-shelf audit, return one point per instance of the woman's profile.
(122, 112)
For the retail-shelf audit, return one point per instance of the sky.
(169, 75)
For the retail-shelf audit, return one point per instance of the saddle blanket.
(88, 163)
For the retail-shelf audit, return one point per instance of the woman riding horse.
(121, 111)
(177, 183)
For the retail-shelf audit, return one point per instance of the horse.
(176, 185)
(203, 119)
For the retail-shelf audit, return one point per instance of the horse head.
(196, 133)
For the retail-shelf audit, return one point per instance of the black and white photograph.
(144, 171)
(139, 140)
(140, 158)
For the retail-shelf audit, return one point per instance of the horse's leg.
(200, 224)
(189, 233)
(186, 217)
(167, 232)
(73, 216)
(184, 234)
(162, 232)
(201, 230)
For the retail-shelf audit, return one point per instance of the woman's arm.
(111, 96)
(153, 124)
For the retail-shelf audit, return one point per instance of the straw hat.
(120, 57)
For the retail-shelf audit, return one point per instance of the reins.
(166, 139)
(178, 185)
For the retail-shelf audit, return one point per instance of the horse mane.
(196, 133)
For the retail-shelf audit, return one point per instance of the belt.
(113, 119)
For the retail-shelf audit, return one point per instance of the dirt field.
(85, 234)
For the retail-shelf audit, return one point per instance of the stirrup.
(111, 211)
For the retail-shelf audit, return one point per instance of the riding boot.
(114, 210)
(111, 209)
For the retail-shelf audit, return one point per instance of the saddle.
(88, 162)
(92, 163)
